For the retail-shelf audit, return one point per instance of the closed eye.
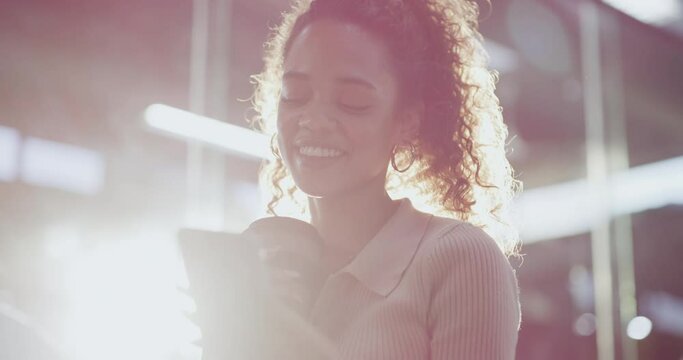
(355, 109)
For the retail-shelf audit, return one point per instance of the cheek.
(376, 140)
(286, 126)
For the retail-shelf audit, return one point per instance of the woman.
(368, 100)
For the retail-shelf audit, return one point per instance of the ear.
(409, 123)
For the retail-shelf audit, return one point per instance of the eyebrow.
(352, 80)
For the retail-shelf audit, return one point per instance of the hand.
(290, 250)
(287, 284)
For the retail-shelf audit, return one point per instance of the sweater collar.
(380, 265)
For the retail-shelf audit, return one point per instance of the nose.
(316, 117)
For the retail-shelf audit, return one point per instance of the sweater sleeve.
(474, 310)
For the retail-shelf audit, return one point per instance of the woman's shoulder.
(450, 243)
(456, 234)
(469, 285)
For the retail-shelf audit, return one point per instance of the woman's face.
(336, 117)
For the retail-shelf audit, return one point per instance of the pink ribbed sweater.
(424, 287)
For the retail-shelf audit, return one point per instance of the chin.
(317, 189)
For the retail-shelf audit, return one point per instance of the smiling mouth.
(319, 152)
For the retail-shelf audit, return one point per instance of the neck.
(347, 222)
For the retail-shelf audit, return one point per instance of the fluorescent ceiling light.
(61, 166)
(656, 12)
(10, 140)
(567, 209)
(209, 131)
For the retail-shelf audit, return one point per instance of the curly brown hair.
(458, 166)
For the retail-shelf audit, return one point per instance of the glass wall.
(93, 194)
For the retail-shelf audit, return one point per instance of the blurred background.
(99, 168)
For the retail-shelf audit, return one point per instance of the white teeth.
(318, 151)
